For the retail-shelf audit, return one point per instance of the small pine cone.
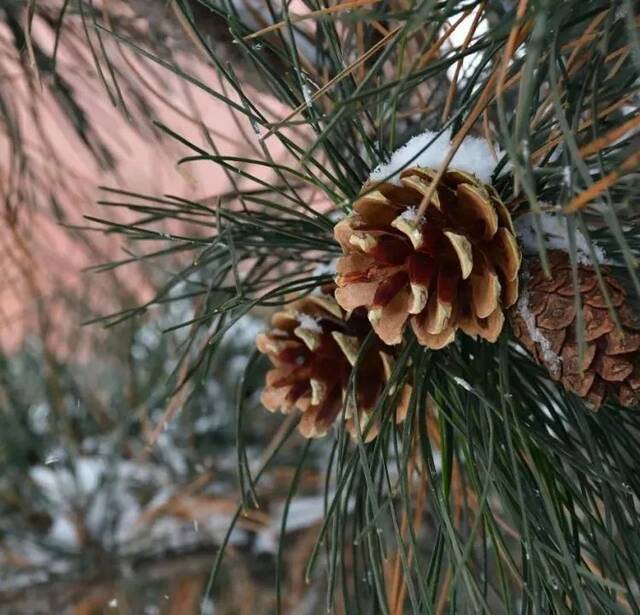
(455, 268)
(313, 346)
(544, 320)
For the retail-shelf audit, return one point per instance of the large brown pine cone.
(544, 320)
(313, 346)
(455, 268)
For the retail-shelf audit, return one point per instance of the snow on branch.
(556, 237)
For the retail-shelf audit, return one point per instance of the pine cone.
(456, 268)
(544, 320)
(313, 346)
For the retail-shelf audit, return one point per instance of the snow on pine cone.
(455, 268)
(544, 320)
(313, 347)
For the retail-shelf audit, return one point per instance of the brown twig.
(610, 137)
(597, 188)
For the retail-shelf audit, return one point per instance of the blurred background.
(114, 491)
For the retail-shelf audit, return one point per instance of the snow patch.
(325, 268)
(308, 96)
(430, 149)
(410, 214)
(309, 323)
(556, 237)
(461, 382)
(549, 357)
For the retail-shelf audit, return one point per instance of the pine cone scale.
(388, 320)
(485, 293)
(622, 342)
(479, 218)
(558, 313)
(613, 369)
(595, 298)
(389, 288)
(596, 323)
(506, 254)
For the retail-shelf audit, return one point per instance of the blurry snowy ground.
(85, 504)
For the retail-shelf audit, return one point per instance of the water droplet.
(113, 603)
(257, 46)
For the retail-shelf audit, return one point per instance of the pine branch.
(532, 500)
